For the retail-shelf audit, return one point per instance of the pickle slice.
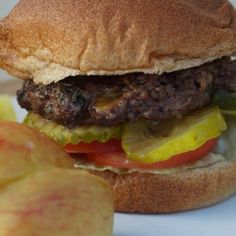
(63, 135)
(225, 100)
(228, 112)
(150, 142)
(6, 108)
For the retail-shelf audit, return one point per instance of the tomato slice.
(119, 159)
(113, 145)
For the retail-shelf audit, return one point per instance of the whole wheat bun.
(150, 193)
(50, 40)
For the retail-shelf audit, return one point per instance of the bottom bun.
(150, 193)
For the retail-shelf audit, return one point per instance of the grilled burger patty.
(109, 100)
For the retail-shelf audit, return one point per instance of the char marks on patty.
(110, 100)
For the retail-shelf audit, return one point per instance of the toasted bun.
(50, 40)
(149, 193)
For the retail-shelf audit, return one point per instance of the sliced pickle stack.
(63, 135)
(151, 142)
(143, 141)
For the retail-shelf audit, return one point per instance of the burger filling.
(137, 121)
(111, 100)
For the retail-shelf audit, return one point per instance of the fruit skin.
(119, 159)
(56, 202)
(113, 145)
(42, 195)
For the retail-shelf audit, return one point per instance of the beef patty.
(109, 100)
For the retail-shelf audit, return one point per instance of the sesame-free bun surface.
(191, 189)
(50, 40)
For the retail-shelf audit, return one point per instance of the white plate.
(218, 220)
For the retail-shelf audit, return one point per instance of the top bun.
(50, 40)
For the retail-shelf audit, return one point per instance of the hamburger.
(139, 92)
